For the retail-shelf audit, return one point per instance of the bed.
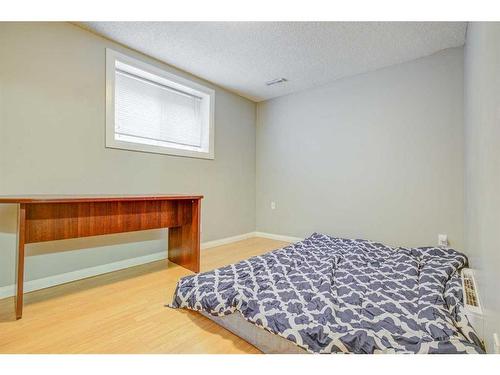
(331, 295)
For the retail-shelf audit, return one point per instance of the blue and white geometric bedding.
(332, 295)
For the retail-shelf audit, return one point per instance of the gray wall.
(52, 112)
(377, 156)
(482, 164)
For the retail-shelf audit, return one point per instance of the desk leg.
(21, 232)
(184, 242)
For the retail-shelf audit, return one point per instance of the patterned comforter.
(331, 295)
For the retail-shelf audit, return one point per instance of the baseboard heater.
(472, 301)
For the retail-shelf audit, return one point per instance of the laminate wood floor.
(123, 312)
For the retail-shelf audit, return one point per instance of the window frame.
(111, 57)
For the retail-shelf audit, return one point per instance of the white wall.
(52, 113)
(482, 165)
(377, 156)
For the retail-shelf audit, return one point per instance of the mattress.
(263, 340)
(328, 295)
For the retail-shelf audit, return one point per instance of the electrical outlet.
(442, 240)
(273, 205)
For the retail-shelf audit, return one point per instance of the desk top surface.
(92, 198)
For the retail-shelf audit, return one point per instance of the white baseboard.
(224, 241)
(227, 240)
(278, 237)
(46, 282)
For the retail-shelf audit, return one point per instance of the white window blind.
(151, 110)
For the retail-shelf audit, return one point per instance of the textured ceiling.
(242, 56)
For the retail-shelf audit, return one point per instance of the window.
(151, 110)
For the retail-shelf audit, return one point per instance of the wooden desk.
(49, 218)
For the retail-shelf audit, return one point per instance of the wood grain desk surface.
(92, 198)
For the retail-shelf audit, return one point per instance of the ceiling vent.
(276, 81)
